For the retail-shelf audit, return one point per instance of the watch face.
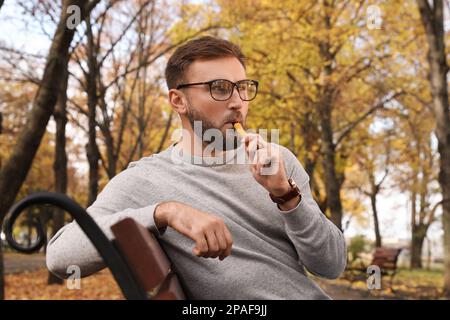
(293, 185)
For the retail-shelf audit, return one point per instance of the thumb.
(196, 251)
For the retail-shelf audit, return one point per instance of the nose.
(235, 101)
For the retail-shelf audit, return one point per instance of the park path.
(18, 263)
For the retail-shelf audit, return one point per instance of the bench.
(383, 257)
(147, 260)
(137, 262)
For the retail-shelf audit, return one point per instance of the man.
(231, 230)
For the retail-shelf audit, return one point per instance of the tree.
(13, 172)
(324, 75)
(372, 160)
(60, 162)
(125, 96)
(433, 22)
(416, 172)
(101, 63)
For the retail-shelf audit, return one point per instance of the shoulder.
(135, 176)
(293, 166)
(138, 173)
(155, 159)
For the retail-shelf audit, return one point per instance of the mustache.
(234, 118)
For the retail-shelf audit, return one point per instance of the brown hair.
(206, 47)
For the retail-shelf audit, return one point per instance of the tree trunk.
(14, 171)
(166, 132)
(105, 127)
(93, 156)
(433, 21)
(92, 151)
(373, 202)
(111, 155)
(428, 253)
(418, 236)
(332, 181)
(60, 163)
(311, 136)
(2, 272)
(332, 185)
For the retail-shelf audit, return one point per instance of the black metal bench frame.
(133, 284)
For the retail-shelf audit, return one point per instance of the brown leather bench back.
(386, 258)
(147, 260)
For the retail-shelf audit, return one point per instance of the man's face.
(200, 106)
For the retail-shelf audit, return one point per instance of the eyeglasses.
(222, 89)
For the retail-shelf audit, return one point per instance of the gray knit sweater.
(271, 248)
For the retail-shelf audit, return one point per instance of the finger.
(201, 247)
(252, 136)
(261, 159)
(220, 236)
(252, 148)
(262, 156)
(261, 143)
(252, 143)
(213, 245)
(269, 165)
(249, 137)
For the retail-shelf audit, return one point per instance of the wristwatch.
(295, 191)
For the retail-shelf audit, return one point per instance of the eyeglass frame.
(209, 83)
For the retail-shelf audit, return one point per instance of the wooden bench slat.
(171, 289)
(146, 259)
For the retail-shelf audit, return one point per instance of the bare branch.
(365, 115)
(113, 45)
(433, 211)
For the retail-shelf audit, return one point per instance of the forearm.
(71, 246)
(319, 243)
(163, 212)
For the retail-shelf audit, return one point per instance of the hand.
(211, 235)
(267, 164)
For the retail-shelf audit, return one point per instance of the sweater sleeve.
(320, 245)
(70, 245)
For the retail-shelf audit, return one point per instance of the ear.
(178, 101)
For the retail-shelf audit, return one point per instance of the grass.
(407, 284)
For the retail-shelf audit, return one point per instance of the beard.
(229, 139)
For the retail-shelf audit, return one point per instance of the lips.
(232, 121)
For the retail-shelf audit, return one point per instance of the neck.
(193, 145)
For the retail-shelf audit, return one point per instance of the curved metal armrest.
(107, 250)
